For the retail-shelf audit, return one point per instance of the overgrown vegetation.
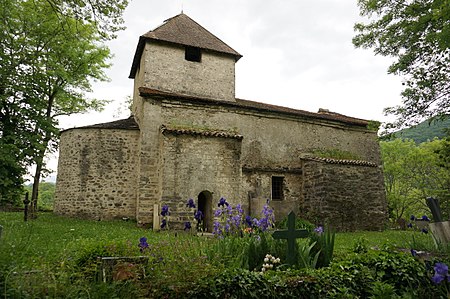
(46, 195)
(413, 172)
(56, 257)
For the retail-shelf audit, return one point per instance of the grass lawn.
(54, 245)
(51, 237)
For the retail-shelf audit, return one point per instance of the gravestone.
(291, 235)
(121, 268)
(440, 229)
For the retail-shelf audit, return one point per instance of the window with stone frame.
(277, 188)
(193, 54)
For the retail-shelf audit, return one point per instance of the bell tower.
(182, 57)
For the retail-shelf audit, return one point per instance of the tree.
(48, 60)
(105, 15)
(412, 173)
(417, 34)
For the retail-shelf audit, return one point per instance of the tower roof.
(182, 30)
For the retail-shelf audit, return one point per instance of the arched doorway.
(205, 205)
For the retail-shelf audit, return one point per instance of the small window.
(193, 54)
(277, 188)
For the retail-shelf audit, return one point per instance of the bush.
(235, 283)
(299, 224)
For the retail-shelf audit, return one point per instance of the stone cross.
(26, 202)
(291, 234)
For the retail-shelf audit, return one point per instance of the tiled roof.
(250, 105)
(182, 30)
(125, 124)
(206, 133)
(341, 161)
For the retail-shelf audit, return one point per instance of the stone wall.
(347, 197)
(273, 139)
(257, 184)
(194, 163)
(97, 173)
(167, 70)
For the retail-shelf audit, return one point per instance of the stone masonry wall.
(149, 162)
(274, 140)
(257, 185)
(167, 70)
(347, 197)
(193, 164)
(97, 173)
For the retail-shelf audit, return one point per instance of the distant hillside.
(425, 131)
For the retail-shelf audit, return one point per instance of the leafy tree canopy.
(417, 34)
(425, 131)
(106, 15)
(48, 61)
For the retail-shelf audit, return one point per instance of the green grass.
(51, 238)
(59, 248)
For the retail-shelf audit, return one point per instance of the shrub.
(234, 283)
(299, 224)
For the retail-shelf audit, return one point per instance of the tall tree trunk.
(35, 191)
(37, 177)
(40, 158)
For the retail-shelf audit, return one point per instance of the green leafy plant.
(307, 258)
(360, 246)
(324, 245)
(382, 290)
(299, 224)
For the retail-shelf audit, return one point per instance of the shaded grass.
(51, 237)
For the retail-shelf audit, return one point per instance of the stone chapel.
(190, 137)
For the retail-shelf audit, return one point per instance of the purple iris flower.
(222, 202)
(187, 225)
(217, 228)
(425, 218)
(236, 220)
(165, 210)
(413, 252)
(239, 209)
(198, 215)
(410, 225)
(190, 203)
(412, 218)
(218, 213)
(143, 244)
(230, 210)
(318, 230)
(425, 231)
(248, 221)
(440, 273)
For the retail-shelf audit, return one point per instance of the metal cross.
(291, 234)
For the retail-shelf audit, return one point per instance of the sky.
(297, 54)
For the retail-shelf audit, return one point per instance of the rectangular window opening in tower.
(277, 188)
(193, 54)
